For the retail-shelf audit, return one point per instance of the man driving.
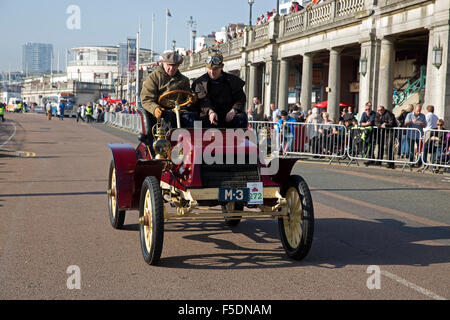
(162, 80)
(221, 96)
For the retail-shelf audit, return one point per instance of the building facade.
(389, 52)
(37, 58)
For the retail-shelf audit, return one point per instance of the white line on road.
(412, 286)
(9, 139)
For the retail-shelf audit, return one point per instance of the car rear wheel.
(116, 216)
(151, 219)
(296, 230)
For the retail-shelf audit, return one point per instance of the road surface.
(53, 208)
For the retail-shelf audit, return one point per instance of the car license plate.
(256, 192)
(234, 194)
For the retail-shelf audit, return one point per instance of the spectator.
(295, 7)
(439, 145)
(403, 150)
(385, 121)
(431, 124)
(327, 134)
(415, 120)
(258, 109)
(61, 108)
(288, 131)
(308, 114)
(312, 130)
(250, 114)
(368, 121)
(275, 111)
(297, 114)
(79, 113)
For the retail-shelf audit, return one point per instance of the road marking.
(9, 139)
(413, 286)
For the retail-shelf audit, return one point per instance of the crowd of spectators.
(373, 131)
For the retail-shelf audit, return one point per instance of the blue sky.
(111, 22)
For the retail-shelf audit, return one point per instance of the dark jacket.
(387, 118)
(159, 82)
(230, 96)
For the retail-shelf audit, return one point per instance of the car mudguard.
(125, 158)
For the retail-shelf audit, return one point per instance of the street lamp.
(437, 56)
(363, 66)
(250, 3)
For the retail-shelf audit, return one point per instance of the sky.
(110, 22)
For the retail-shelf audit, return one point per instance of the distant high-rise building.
(36, 58)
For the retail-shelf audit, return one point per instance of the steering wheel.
(191, 98)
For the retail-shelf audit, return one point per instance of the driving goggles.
(214, 60)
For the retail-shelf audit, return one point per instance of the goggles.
(214, 60)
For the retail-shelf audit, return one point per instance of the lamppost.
(250, 3)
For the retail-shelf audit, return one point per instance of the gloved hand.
(158, 113)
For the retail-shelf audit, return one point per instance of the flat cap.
(172, 57)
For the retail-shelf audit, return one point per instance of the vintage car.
(149, 179)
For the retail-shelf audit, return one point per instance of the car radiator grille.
(229, 175)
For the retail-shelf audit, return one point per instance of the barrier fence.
(129, 122)
(394, 146)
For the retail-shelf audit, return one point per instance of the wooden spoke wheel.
(116, 216)
(296, 230)
(151, 219)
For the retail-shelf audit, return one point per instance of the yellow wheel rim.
(293, 223)
(148, 213)
(113, 194)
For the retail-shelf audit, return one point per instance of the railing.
(399, 97)
(261, 32)
(394, 146)
(436, 150)
(289, 25)
(347, 7)
(320, 13)
(129, 122)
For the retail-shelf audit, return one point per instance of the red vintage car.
(172, 180)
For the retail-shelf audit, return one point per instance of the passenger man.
(221, 96)
(166, 78)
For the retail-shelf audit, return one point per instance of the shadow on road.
(338, 242)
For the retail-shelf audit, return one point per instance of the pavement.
(53, 207)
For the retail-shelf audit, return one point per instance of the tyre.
(296, 230)
(151, 218)
(116, 216)
(232, 221)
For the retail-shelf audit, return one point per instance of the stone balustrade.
(284, 28)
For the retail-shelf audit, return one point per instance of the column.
(270, 80)
(283, 87)
(367, 74)
(385, 86)
(252, 83)
(306, 90)
(437, 86)
(334, 79)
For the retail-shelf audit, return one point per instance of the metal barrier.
(128, 122)
(314, 139)
(390, 145)
(267, 134)
(436, 150)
